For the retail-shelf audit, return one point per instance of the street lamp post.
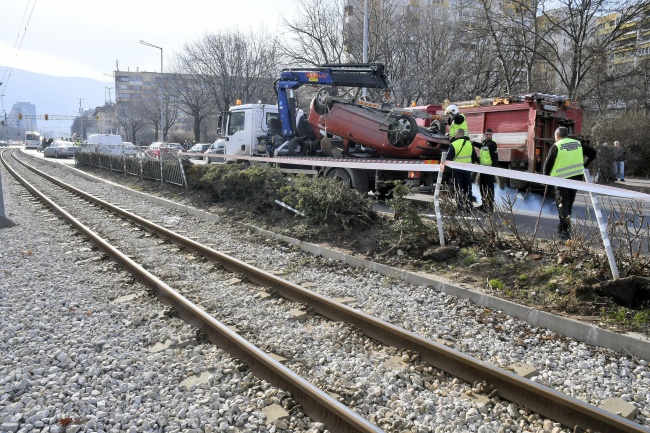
(160, 133)
(114, 121)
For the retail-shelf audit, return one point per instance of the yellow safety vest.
(463, 150)
(484, 156)
(454, 126)
(569, 161)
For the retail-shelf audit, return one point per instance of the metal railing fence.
(142, 164)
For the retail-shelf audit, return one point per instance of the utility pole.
(108, 89)
(81, 115)
(365, 40)
(161, 133)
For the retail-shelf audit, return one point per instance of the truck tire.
(321, 102)
(297, 147)
(340, 174)
(402, 130)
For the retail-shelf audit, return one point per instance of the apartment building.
(633, 45)
(130, 85)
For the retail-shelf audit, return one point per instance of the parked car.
(59, 149)
(4, 143)
(216, 148)
(166, 148)
(197, 148)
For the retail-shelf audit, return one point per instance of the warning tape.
(434, 166)
(550, 180)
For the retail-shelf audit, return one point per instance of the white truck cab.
(246, 125)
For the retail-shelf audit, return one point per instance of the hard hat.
(451, 109)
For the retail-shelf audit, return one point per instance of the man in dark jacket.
(566, 159)
(489, 156)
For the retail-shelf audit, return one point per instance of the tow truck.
(336, 129)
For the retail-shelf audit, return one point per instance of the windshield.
(237, 121)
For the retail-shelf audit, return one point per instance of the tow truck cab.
(247, 126)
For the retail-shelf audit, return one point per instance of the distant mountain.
(53, 95)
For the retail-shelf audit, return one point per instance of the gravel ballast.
(39, 277)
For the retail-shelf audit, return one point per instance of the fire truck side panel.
(524, 131)
(510, 124)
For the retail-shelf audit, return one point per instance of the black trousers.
(564, 198)
(463, 189)
(486, 185)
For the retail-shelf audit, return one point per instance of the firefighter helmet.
(451, 109)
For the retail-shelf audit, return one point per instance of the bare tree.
(233, 66)
(192, 96)
(129, 118)
(315, 35)
(580, 44)
(515, 34)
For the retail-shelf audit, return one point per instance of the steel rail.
(548, 402)
(314, 402)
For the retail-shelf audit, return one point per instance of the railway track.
(316, 403)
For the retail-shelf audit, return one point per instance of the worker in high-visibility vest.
(455, 120)
(489, 156)
(566, 159)
(461, 150)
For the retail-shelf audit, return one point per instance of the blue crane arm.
(369, 75)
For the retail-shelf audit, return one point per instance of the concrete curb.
(633, 344)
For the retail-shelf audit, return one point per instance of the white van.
(110, 143)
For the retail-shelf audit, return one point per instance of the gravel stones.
(106, 378)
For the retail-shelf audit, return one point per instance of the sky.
(85, 38)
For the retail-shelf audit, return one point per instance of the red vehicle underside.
(380, 133)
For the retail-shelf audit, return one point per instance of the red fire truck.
(523, 125)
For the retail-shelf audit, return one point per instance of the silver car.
(216, 148)
(59, 149)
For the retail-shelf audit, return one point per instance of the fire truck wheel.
(321, 101)
(297, 147)
(402, 130)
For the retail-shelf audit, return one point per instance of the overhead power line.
(17, 45)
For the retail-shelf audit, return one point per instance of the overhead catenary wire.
(6, 76)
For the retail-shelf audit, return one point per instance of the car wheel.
(322, 102)
(402, 130)
(437, 127)
(297, 147)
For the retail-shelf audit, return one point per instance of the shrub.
(327, 201)
(322, 200)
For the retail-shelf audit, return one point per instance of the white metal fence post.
(180, 164)
(602, 225)
(436, 200)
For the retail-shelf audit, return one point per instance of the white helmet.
(451, 109)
